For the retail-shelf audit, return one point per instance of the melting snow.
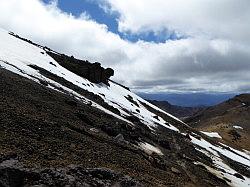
(241, 158)
(212, 134)
(213, 152)
(237, 127)
(228, 172)
(148, 148)
(242, 154)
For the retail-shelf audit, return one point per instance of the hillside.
(63, 127)
(178, 111)
(230, 119)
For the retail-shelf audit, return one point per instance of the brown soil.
(221, 118)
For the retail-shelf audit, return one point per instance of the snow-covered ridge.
(17, 55)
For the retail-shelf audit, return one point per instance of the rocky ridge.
(94, 72)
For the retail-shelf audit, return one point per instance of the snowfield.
(16, 55)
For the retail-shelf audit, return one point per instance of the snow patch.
(241, 153)
(212, 134)
(237, 127)
(213, 152)
(228, 174)
(148, 148)
(229, 152)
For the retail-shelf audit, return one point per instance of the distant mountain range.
(230, 119)
(189, 99)
(178, 111)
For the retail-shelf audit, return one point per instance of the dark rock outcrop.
(94, 72)
(13, 174)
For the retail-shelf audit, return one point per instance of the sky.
(154, 46)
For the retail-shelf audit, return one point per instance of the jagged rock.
(12, 174)
(94, 72)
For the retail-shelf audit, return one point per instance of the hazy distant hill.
(188, 99)
(177, 111)
(231, 119)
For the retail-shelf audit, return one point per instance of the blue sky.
(77, 7)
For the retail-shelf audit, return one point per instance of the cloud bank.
(215, 57)
(226, 19)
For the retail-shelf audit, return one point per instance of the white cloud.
(214, 61)
(48, 25)
(227, 19)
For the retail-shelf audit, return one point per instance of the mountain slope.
(178, 111)
(230, 119)
(52, 118)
